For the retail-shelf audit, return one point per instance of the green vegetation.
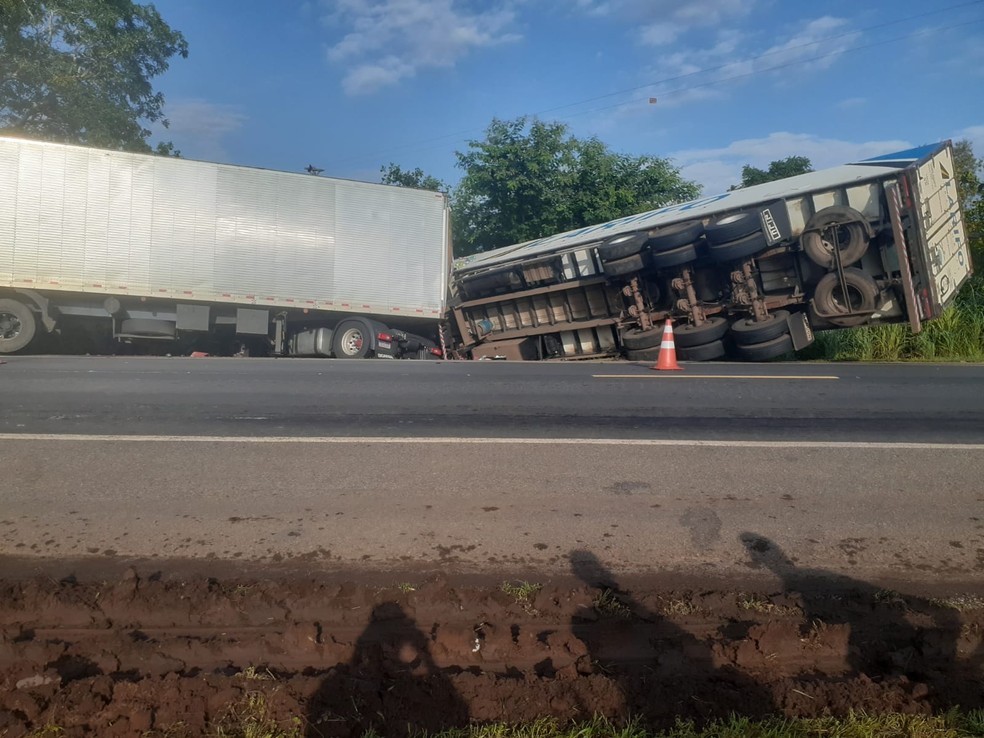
(857, 725)
(523, 592)
(779, 169)
(80, 71)
(957, 335)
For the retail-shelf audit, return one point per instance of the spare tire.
(862, 297)
(852, 236)
(625, 244)
(674, 236)
(732, 227)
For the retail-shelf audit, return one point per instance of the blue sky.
(350, 85)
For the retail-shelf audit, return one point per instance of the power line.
(423, 144)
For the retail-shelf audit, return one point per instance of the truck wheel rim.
(352, 341)
(10, 326)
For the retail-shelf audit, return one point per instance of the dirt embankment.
(150, 651)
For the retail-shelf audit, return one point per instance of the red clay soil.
(154, 653)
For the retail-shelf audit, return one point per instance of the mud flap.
(800, 330)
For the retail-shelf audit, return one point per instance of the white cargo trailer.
(749, 273)
(149, 248)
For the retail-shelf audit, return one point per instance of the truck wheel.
(634, 338)
(675, 236)
(748, 331)
(17, 326)
(704, 352)
(852, 236)
(673, 257)
(767, 349)
(618, 247)
(628, 265)
(687, 336)
(862, 295)
(646, 354)
(350, 341)
(147, 327)
(732, 227)
(740, 248)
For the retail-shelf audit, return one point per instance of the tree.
(395, 175)
(969, 171)
(80, 71)
(779, 169)
(528, 179)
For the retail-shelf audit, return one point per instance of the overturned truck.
(750, 274)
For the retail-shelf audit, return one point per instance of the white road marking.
(468, 441)
(711, 376)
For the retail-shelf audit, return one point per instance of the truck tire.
(704, 352)
(18, 326)
(741, 248)
(713, 329)
(675, 236)
(852, 236)
(767, 349)
(646, 354)
(733, 227)
(862, 297)
(351, 340)
(618, 247)
(673, 257)
(634, 339)
(748, 331)
(149, 327)
(628, 265)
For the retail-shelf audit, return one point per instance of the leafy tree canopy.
(779, 169)
(395, 175)
(80, 71)
(970, 187)
(528, 179)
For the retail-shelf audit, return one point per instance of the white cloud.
(852, 102)
(696, 74)
(387, 41)
(719, 168)
(662, 22)
(974, 134)
(198, 127)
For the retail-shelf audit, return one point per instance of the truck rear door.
(940, 237)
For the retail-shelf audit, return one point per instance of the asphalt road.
(181, 396)
(866, 471)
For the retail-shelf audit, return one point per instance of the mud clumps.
(153, 652)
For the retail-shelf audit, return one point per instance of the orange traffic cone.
(667, 351)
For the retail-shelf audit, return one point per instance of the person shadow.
(890, 635)
(391, 685)
(662, 671)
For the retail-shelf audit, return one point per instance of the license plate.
(385, 344)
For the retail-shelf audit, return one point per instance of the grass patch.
(856, 725)
(754, 603)
(960, 603)
(522, 592)
(957, 335)
(406, 587)
(608, 603)
(680, 607)
(251, 718)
